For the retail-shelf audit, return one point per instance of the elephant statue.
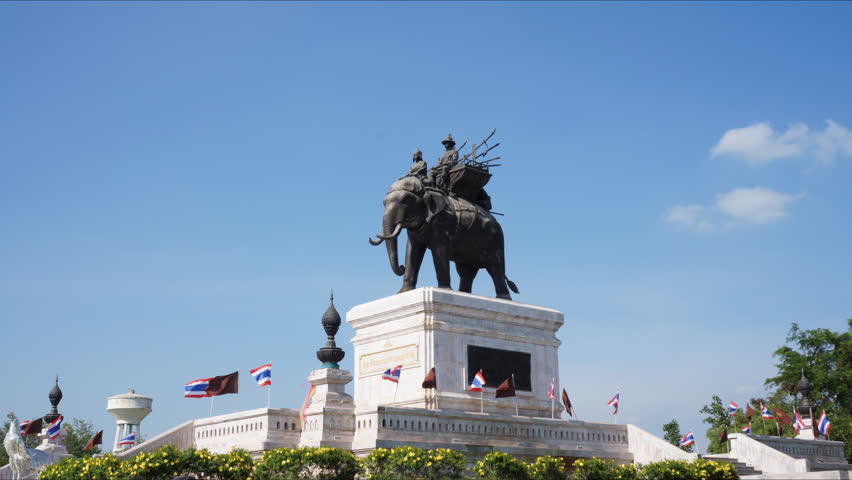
(454, 229)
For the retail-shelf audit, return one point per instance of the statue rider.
(439, 175)
(418, 169)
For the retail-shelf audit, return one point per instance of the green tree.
(718, 418)
(825, 357)
(671, 434)
(77, 434)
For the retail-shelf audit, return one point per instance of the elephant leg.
(442, 267)
(498, 275)
(414, 253)
(466, 276)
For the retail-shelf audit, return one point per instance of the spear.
(491, 148)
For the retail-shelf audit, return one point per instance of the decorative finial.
(55, 396)
(330, 354)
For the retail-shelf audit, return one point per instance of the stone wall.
(647, 448)
(477, 434)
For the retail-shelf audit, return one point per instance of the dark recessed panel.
(498, 365)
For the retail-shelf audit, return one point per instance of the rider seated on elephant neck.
(418, 169)
(439, 175)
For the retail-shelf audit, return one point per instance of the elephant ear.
(436, 201)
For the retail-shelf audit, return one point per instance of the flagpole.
(813, 425)
(516, 396)
(211, 405)
(481, 406)
(552, 392)
(269, 396)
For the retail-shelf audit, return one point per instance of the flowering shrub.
(547, 468)
(667, 470)
(444, 463)
(90, 468)
(627, 471)
(594, 469)
(307, 462)
(708, 470)
(402, 463)
(499, 466)
(169, 462)
(597, 469)
(412, 463)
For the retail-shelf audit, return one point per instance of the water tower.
(128, 409)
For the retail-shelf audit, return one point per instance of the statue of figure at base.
(22, 460)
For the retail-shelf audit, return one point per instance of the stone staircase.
(741, 467)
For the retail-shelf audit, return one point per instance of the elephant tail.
(512, 286)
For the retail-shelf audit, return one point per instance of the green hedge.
(597, 469)
(401, 463)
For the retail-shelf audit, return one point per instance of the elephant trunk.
(390, 238)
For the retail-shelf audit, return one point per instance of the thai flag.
(614, 403)
(196, 388)
(688, 439)
(478, 382)
(128, 440)
(54, 428)
(824, 425)
(550, 393)
(263, 375)
(733, 407)
(392, 374)
(746, 429)
(765, 413)
(24, 426)
(800, 424)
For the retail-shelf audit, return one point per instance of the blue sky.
(182, 184)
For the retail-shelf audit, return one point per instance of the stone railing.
(820, 454)
(252, 430)
(647, 448)
(524, 436)
(752, 450)
(180, 437)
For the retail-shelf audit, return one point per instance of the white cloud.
(756, 205)
(741, 206)
(760, 144)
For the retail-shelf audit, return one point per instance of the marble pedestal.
(329, 419)
(432, 327)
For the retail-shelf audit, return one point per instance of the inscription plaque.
(498, 365)
(380, 361)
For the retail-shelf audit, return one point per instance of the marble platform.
(432, 327)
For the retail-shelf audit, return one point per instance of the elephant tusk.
(375, 242)
(395, 233)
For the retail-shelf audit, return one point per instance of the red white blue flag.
(765, 413)
(263, 375)
(24, 426)
(800, 424)
(550, 393)
(824, 425)
(392, 374)
(478, 382)
(54, 428)
(196, 388)
(128, 440)
(746, 429)
(688, 439)
(614, 403)
(732, 408)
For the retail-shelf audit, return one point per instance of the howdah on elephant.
(452, 227)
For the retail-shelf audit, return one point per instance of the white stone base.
(432, 327)
(329, 419)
